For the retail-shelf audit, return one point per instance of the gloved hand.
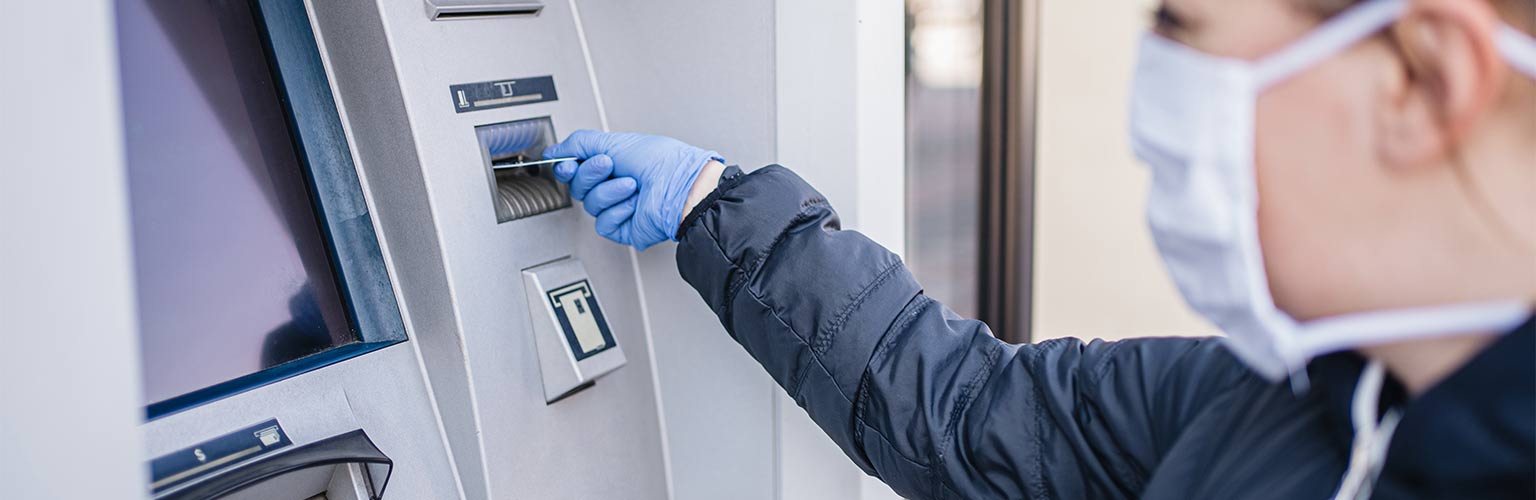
(635, 184)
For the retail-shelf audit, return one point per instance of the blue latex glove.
(635, 184)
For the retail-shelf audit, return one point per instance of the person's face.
(1335, 154)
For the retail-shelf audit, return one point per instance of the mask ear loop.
(1519, 50)
(1333, 36)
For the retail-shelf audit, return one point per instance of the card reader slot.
(516, 142)
(524, 194)
(523, 183)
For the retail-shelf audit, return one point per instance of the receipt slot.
(575, 343)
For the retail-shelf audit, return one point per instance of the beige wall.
(1097, 273)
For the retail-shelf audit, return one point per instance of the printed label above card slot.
(502, 93)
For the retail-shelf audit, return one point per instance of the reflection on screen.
(233, 275)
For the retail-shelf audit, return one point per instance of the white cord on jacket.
(1369, 451)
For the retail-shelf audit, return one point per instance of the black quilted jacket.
(937, 407)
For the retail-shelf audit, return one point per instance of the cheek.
(1311, 142)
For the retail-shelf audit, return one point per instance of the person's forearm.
(809, 302)
(929, 402)
(706, 183)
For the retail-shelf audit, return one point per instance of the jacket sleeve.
(929, 402)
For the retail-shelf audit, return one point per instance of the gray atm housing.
(459, 271)
(462, 405)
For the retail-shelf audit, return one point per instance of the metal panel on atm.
(461, 270)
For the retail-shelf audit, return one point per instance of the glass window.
(944, 58)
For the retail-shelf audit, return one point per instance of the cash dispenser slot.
(521, 186)
(346, 466)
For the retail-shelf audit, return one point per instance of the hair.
(1518, 13)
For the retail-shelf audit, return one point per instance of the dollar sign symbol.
(198, 452)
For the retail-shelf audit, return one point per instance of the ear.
(1452, 75)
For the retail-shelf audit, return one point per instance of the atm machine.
(349, 283)
(529, 325)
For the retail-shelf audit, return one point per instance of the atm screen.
(233, 273)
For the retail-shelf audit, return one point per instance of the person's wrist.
(705, 183)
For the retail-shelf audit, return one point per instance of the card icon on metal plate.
(586, 330)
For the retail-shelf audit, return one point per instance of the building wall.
(69, 377)
(1097, 273)
(812, 85)
(838, 67)
(702, 72)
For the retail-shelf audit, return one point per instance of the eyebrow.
(1168, 21)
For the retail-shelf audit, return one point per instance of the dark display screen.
(233, 274)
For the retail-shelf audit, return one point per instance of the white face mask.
(1192, 121)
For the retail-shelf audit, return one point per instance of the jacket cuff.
(728, 179)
